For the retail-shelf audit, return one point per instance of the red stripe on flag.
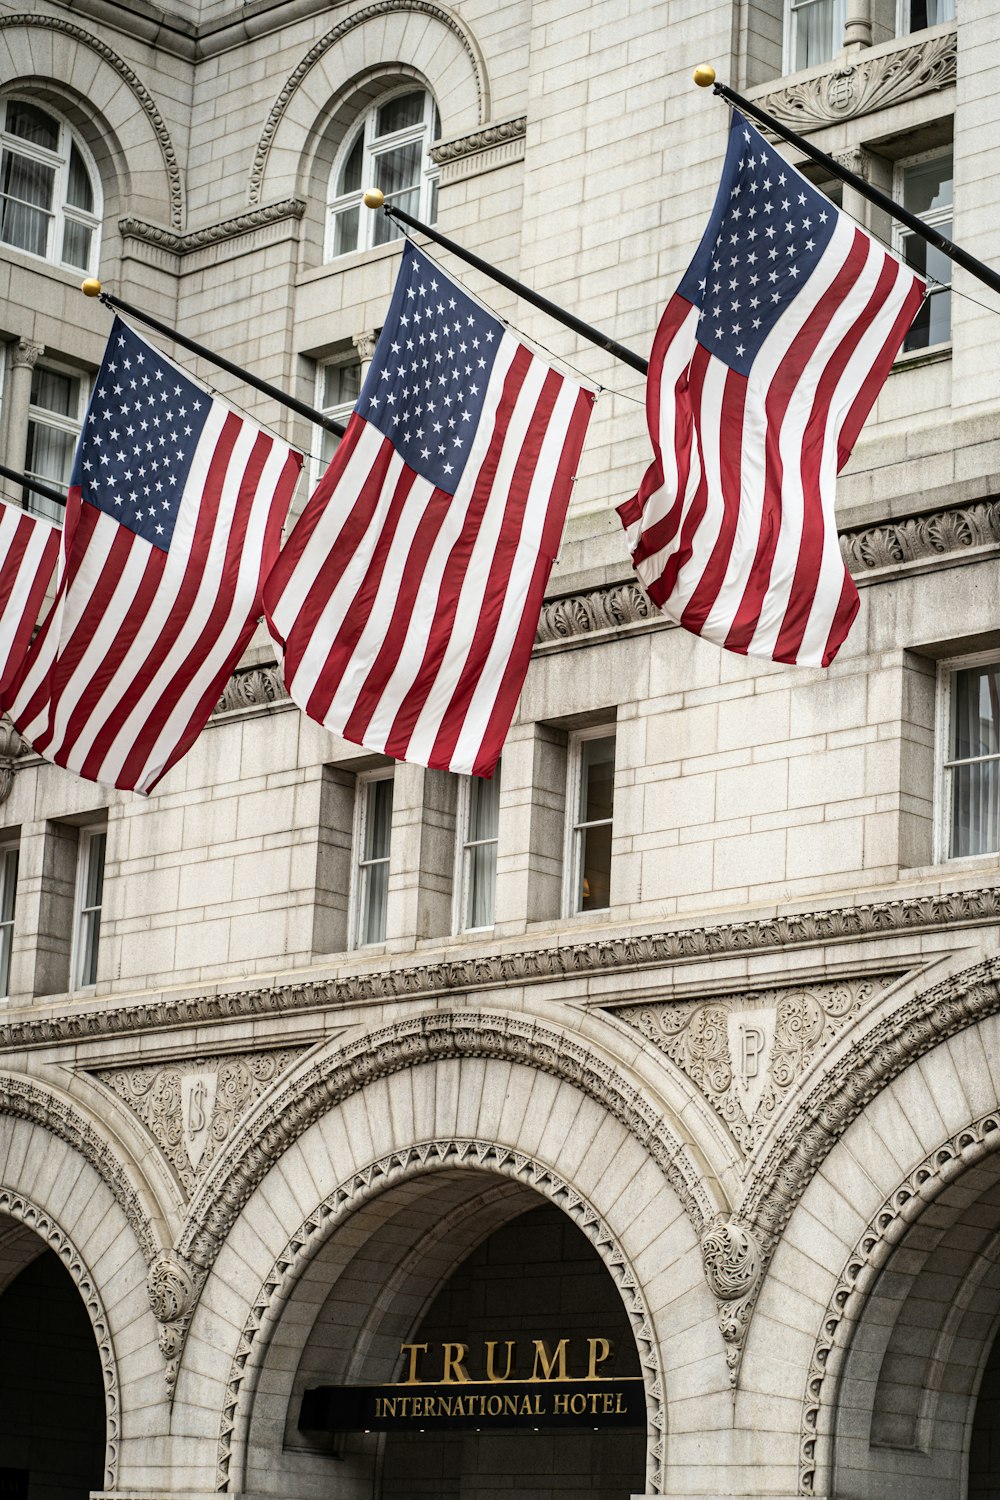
(673, 318)
(687, 415)
(843, 619)
(865, 399)
(706, 590)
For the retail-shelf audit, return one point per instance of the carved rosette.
(252, 687)
(871, 83)
(173, 1286)
(733, 1265)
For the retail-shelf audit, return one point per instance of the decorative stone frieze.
(24, 355)
(213, 234)
(870, 83)
(191, 1108)
(17, 1206)
(733, 1267)
(602, 609)
(388, 1172)
(482, 151)
(746, 1051)
(173, 1287)
(350, 23)
(879, 1239)
(915, 538)
(252, 687)
(144, 98)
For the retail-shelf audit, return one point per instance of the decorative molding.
(870, 83)
(428, 1038)
(191, 1108)
(856, 159)
(17, 1206)
(914, 538)
(213, 234)
(734, 1267)
(881, 1236)
(142, 94)
(173, 1287)
(24, 355)
(367, 13)
(252, 687)
(23, 1100)
(479, 140)
(608, 608)
(388, 1172)
(12, 746)
(493, 971)
(746, 1051)
(365, 344)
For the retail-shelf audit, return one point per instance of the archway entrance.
(53, 1429)
(458, 1257)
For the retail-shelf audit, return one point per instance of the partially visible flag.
(765, 365)
(406, 599)
(29, 547)
(173, 519)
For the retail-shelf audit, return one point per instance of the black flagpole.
(374, 199)
(92, 288)
(32, 484)
(704, 76)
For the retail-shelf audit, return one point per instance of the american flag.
(765, 365)
(406, 599)
(173, 518)
(29, 547)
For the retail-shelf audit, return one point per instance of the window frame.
(364, 126)
(43, 416)
(573, 845)
(903, 19)
(943, 763)
(59, 161)
(463, 864)
(901, 234)
(7, 848)
(88, 838)
(340, 411)
(359, 863)
(789, 38)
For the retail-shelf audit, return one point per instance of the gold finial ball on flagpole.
(91, 287)
(374, 198)
(704, 75)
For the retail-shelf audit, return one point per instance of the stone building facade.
(684, 1036)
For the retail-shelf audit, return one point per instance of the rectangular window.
(815, 32)
(591, 800)
(371, 881)
(8, 894)
(89, 899)
(971, 761)
(338, 386)
(917, 14)
(55, 416)
(925, 188)
(479, 811)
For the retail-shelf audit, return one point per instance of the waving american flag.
(174, 514)
(765, 365)
(406, 599)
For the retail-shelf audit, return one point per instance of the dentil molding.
(213, 234)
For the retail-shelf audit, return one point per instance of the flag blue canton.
(139, 437)
(767, 232)
(427, 382)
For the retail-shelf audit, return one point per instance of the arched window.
(49, 195)
(388, 148)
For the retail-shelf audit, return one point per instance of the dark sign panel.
(525, 1405)
(13, 1484)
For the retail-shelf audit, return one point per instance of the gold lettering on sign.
(455, 1372)
(411, 1377)
(605, 1346)
(550, 1360)
(491, 1373)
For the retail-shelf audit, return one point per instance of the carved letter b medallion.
(198, 1092)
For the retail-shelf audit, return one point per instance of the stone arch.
(386, 1175)
(343, 1071)
(72, 64)
(379, 38)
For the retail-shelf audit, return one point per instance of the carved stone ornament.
(252, 687)
(388, 1172)
(746, 1051)
(17, 1206)
(144, 98)
(479, 140)
(602, 609)
(915, 538)
(11, 747)
(192, 1107)
(213, 234)
(173, 1286)
(24, 355)
(870, 83)
(733, 1268)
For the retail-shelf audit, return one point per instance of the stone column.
(365, 343)
(17, 399)
(856, 160)
(858, 28)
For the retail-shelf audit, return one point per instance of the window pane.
(90, 937)
(432, 205)
(374, 902)
(76, 245)
(399, 169)
(818, 31)
(378, 818)
(28, 181)
(481, 896)
(350, 173)
(9, 885)
(6, 944)
(53, 391)
(974, 808)
(976, 712)
(385, 230)
(341, 384)
(399, 113)
(79, 192)
(597, 779)
(49, 453)
(928, 185)
(93, 885)
(930, 13)
(595, 868)
(345, 231)
(484, 807)
(32, 124)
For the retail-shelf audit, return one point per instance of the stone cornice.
(479, 140)
(213, 234)
(872, 81)
(590, 958)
